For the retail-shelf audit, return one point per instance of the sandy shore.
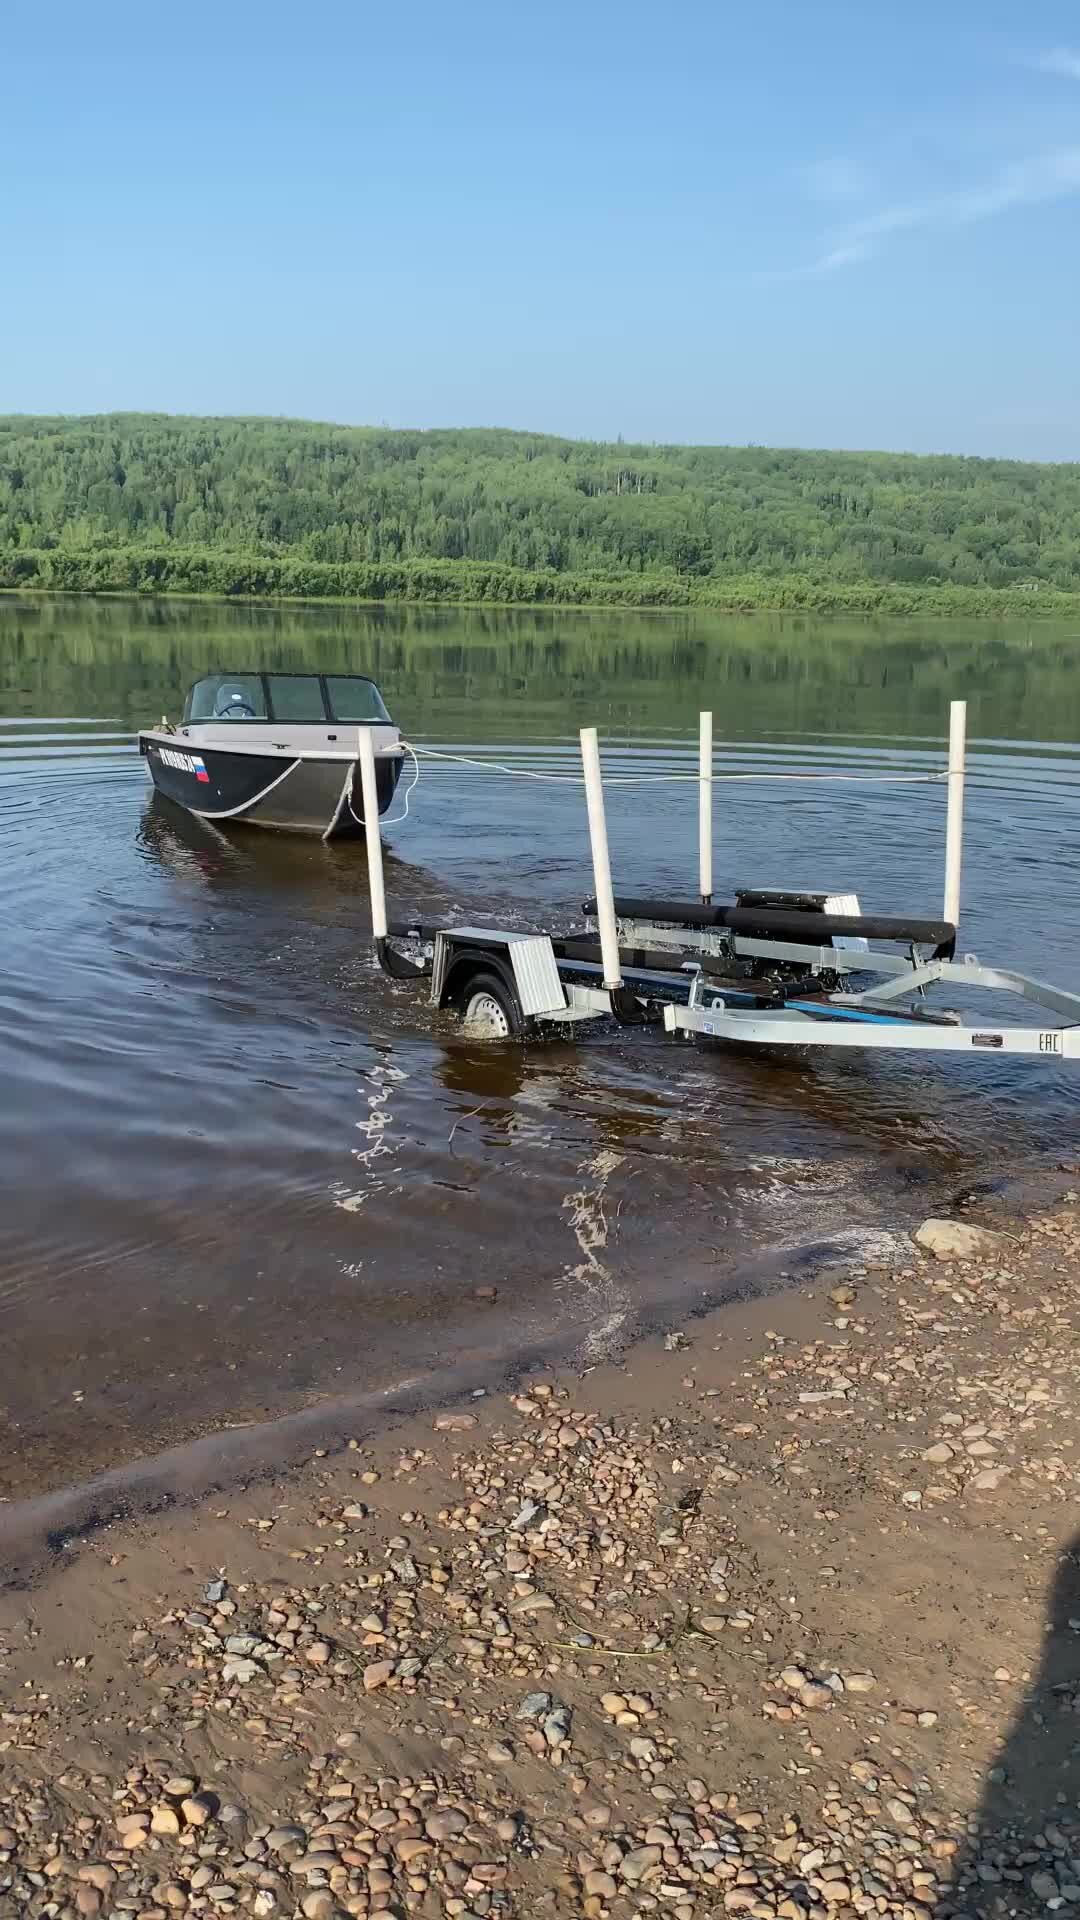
(780, 1617)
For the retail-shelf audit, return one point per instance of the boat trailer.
(770, 968)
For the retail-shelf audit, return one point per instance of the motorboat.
(276, 750)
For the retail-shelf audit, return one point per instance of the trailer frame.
(743, 972)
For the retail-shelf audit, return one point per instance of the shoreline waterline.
(791, 597)
(740, 1614)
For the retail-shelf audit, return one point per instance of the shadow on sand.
(1024, 1854)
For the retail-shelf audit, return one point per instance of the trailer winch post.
(376, 881)
(605, 899)
(954, 819)
(705, 794)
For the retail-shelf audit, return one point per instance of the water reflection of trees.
(505, 674)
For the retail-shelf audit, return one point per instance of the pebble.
(98, 1874)
(794, 1679)
(532, 1603)
(859, 1682)
(409, 1850)
(455, 1422)
(557, 1727)
(319, 1905)
(639, 1860)
(959, 1240)
(601, 1884)
(378, 1674)
(281, 1837)
(442, 1826)
(535, 1706)
(989, 1480)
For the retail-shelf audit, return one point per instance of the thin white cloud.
(1061, 60)
(845, 256)
(841, 257)
(1028, 183)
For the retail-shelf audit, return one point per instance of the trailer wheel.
(489, 1008)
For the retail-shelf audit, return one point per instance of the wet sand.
(778, 1616)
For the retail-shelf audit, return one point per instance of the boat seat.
(785, 923)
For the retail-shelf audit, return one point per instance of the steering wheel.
(237, 708)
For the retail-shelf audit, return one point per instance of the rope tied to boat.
(657, 779)
(393, 819)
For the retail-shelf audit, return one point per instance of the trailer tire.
(490, 1008)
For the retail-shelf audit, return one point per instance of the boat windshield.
(353, 698)
(296, 699)
(227, 696)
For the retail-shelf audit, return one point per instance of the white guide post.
(705, 808)
(605, 900)
(954, 820)
(376, 882)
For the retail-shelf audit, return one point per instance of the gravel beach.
(780, 1616)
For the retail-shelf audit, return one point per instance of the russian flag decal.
(200, 768)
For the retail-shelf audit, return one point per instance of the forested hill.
(265, 505)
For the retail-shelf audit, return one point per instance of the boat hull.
(298, 793)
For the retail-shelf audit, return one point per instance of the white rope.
(392, 819)
(855, 779)
(651, 779)
(495, 766)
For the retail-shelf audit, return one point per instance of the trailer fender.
(467, 967)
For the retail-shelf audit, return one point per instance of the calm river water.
(242, 1171)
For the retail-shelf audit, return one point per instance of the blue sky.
(816, 224)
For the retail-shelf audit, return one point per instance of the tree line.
(155, 504)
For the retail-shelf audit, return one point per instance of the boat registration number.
(185, 763)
